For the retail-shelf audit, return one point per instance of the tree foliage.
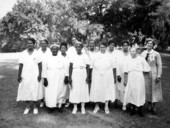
(60, 20)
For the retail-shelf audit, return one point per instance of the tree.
(60, 20)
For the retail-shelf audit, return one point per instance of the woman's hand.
(118, 78)
(19, 79)
(125, 83)
(157, 80)
(70, 82)
(45, 82)
(39, 78)
(66, 81)
(88, 80)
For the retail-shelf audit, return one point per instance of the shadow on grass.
(11, 112)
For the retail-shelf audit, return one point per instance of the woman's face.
(73, 41)
(91, 46)
(44, 44)
(63, 49)
(125, 47)
(54, 50)
(103, 48)
(78, 48)
(111, 46)
(133, 52)
(30, 45)
(149, 45)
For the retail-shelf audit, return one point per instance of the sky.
(6, 6)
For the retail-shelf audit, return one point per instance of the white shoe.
(83, 111)
(41, 104)
(59, 105)
(124, 108)
(35, 111)
(74, 111)
(107, 110)
(96, 109)
(67, 105)
(26, 111)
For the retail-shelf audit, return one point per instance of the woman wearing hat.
(56, 74)
(153, 79)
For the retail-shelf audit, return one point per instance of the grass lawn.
(11, 112)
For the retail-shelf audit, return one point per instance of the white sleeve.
(87, 59)
(118, 67)
(39, 57)
(66, 66)
(146, 67)
(45, 65)
(21, 57)
(113, 62)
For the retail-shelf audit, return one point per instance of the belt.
(80, 67)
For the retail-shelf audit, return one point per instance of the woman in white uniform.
(56, 74)
(115, 54)
(122, 60)
(103, 79)
(91, 54)
(28, 80)
(135, 83)
(79, 78)
(44, 52)
(63, 49)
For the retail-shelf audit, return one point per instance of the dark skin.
(125, 50)
(91, 46)
(78, 49)
(114, 74)
(30, 49)
(44, 46)
(54, 51)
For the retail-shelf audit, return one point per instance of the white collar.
(150, 51)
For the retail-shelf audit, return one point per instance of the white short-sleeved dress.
(28, 88)
(135, 88)
(66, 62)
(80, 90)
(102, 87)
(55, 72)
(91, 56)
(115, 55)
(122, 62)
(44, 56)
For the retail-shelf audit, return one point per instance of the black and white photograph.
(84, 63)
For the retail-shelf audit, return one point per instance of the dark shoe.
(140, 112)
(60, 110)
(116, 104)
(153, 112)
(50, 110)
(132, 112)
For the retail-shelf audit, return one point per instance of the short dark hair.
(45, 40)
(103, 43)
(32, 39)
(125, 42)
(111, 41)
(63, 44)
(150, 39)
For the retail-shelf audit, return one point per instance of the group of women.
(79, 75)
